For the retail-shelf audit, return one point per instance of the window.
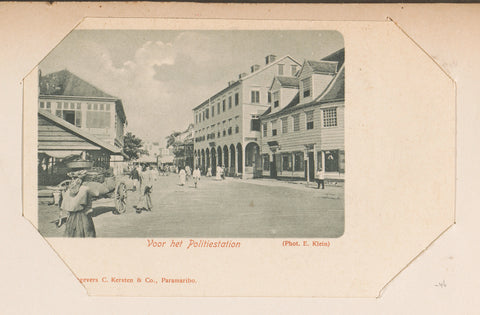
(296, 122)
(42, 104)
(255, 124)
(223, 105)
(331, 161)
(59, 104)
(213, 111)
(229, 102)
(330, 117)
(229, 131)
(285, 125)
(276, 99)
(224, 132)
(72, 105)
(218, 134)
(218, 108)
(237, 99)
(286, 162)
(196, 118)
(269, 95)
(206, 113)
(274, 128)
(255, 97)
(108, 106)
(306, 86)
(95, 106)
(49, 105)
(237, 129)
(266, 162)
(102, 106)
(264, 129)
(280, 69)
(78, 106)
(89, 106)
(309, 118)
(78, 118)
(294, 69)
(298, 161)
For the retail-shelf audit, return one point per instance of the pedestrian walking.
(135, 176)
(182, 175)
(196, 176)
(320, 178)
(145, 199)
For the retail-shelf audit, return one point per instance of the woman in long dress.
(182, 174)
(78, 203)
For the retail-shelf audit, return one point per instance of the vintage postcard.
(184, 157)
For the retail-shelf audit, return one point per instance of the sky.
(161, 75)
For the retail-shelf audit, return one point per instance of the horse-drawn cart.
(101, 185)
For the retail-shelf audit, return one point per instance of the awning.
(60, 154)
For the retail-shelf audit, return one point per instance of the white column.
(244, 154)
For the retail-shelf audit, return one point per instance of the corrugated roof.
(68, 84)
(82, 133)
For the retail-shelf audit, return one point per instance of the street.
(230, 208)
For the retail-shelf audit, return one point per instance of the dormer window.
(294, 69)
(306, 87)
(276, 99)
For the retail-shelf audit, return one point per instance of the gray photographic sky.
(162, 75)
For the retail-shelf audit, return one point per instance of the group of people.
(185, 173)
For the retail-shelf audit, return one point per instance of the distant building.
(84, 106)
(303, 129)
(182, 148)
(227, 125)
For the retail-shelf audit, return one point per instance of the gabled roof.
(237, 82)
(286, 81)
(66, 83)
(79, 132)
(334, 92)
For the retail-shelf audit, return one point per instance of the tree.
(132, 146)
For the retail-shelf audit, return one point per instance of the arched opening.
(239, 158)
(207, 159)
(214, 161)
(225, 160)
(232, 160)
(219, 156)
(252, 159)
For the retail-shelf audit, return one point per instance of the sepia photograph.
(192, 133)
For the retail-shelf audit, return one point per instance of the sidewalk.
(298, 185)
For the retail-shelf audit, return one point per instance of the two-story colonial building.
(84, 106)
(303, 129)
(227, 125)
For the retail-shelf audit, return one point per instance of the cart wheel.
(120, 198)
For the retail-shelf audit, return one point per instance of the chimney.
(231, 82)
(254, 68)
(241, 75)
(270, 59)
